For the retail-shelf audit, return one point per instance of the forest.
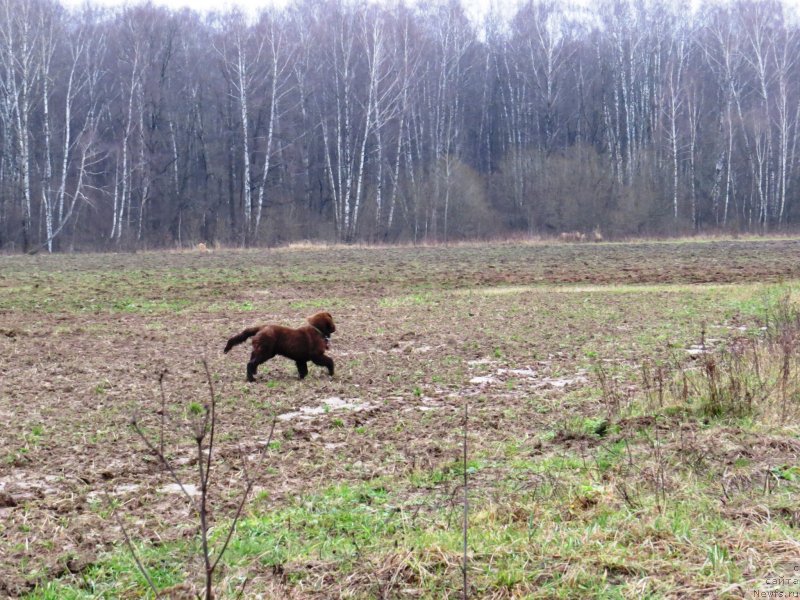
(339, 121)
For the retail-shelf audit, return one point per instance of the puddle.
(517, 372)
(428, 404)
(532, 377)
(174, 488)
(481, 361)
(120, 490)
(482, 380)
(699, 349)
(126, 488)
(328, 405)
(21, 489)
(563, 382)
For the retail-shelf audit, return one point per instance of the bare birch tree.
(141, 126)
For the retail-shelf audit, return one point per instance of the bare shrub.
(202, 425)
(754, 376)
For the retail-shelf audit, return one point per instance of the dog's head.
(324, 322)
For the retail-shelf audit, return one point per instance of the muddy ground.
(516, 329)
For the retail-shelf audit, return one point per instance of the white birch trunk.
(276, 73)
(241, 71)
(125, 193)
(21, 74)
(143, 168)
(46, 43)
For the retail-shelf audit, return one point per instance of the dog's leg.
(251, 370)
(255, 359)
(324, 361)
(302, 368)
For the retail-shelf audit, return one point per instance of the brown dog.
(307, 343)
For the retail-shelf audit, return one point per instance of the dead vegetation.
(202, 426)
(603, 457)
(751, 374)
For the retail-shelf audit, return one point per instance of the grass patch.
(578, 488)
(355, 530)
(116, 575)
(746, 376)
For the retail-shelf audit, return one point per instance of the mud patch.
(403, 370)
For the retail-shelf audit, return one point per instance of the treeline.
(331, 120)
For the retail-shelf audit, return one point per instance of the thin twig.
(241, 589)
(128, 542)
(213, 418)
(239, 509)
(163, 409)
(164, 461)
(205, 474)
(204, 428)
(204, 520)
(466, 506)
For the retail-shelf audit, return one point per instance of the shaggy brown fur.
(306, 343)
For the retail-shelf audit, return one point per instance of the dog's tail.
(239, 338)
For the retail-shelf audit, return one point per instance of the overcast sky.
(476, 9)
(199, 5)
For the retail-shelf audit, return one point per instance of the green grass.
(582, 492)
(759, 303)
(116, 575)
(532, 546)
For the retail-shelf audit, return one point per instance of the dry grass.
(583, 483)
